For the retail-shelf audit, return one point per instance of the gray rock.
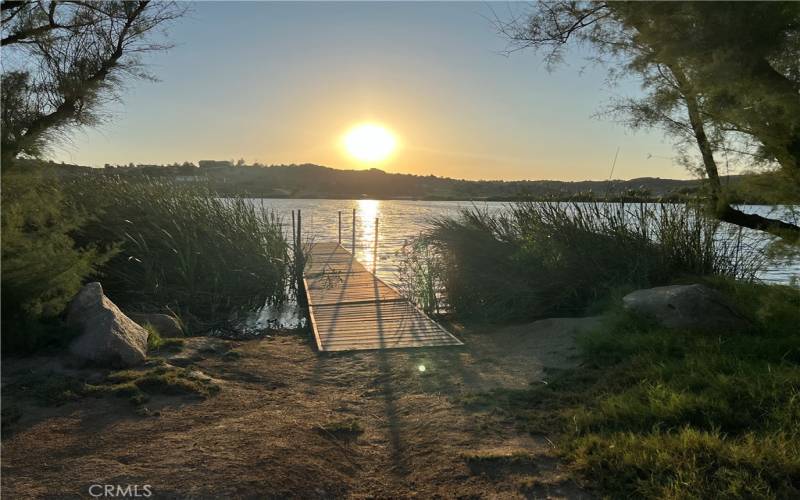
(107, 336)
(166, 325)
(686, 307)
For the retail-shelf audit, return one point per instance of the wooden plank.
(352, 309)
(311, 319)
(348, 296)
(390, 345)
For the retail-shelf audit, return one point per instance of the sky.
(282, 83)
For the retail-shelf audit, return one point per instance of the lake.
(401, 220)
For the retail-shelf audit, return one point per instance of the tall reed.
(534, 259)
(184, 249)
(420, 275)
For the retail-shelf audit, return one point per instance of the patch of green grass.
(139, 384)
(127, 390)
(678, 414)
(484, 457)
(691, 463)
(347, 429)
(496, 463)
(155, 341)
(54, 389)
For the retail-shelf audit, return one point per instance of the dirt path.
(289, 422)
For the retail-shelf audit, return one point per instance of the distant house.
(214, 164)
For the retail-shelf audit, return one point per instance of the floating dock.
(352, 309)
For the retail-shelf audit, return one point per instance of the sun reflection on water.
(366, 213)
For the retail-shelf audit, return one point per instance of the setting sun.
(369, 142)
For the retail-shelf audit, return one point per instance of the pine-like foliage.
(42, 267)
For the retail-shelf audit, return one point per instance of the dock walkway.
(352, 309)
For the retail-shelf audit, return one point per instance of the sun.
(369, 142)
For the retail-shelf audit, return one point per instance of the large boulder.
(686, 307)
(166, 325)
(107, 336)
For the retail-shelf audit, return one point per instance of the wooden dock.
(352, 309)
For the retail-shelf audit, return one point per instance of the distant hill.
(315, 181)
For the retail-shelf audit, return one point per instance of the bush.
(183, 248)
(538, 259)
(42, 267)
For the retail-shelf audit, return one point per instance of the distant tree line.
(314, 181)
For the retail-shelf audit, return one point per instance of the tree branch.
(23, 36)
(783, 229)
(71, 103)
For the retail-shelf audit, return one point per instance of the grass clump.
(170, 380)
(537, 259)
(49, 388)
(346, 430)
(488, 457)
(183, 248)
(155, 341)
(679, 414)
(499, 462)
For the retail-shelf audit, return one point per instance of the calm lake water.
(400, 220)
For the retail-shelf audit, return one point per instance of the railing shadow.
(389, 396)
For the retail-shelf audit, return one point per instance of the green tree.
(743, 57)
(42, 269)
(719, 78)
(62, 61)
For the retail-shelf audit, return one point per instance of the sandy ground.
(263, 435)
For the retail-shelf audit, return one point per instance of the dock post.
(294, 235)
(297, 258)
(375, 249)
(299, 224)
(354, 232)
(340, 227)
(300, 261)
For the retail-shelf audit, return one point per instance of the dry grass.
(405, 432)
